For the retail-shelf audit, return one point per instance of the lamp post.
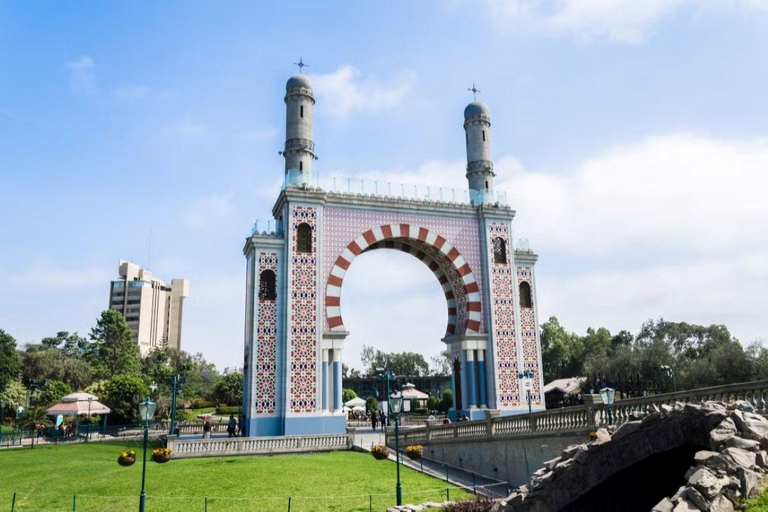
(175, 382)
(608, 395)
(2, 411)
(386, 376)
(396, 404)
(146, 411)
(527, 377)
(670, 373)
(88, 435)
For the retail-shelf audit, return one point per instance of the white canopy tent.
(355, 402)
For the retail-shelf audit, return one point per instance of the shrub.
(224, 411)
(371, 404)
(200, 403)
(419, 411)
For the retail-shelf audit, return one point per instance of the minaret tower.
(477, 125)
(299, 149)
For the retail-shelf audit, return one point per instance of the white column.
(337, 404)
(325, 376)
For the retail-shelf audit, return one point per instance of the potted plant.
(127, 458)
(414, 452)
(161, 455)
(380, 452)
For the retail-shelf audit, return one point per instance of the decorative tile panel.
(528, 334)
(303, 316)
(503, 304)
(265, 356)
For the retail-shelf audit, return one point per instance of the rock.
(602, 437)
(722, 463)
(703, 456)
(666, 408)
(743, 458)
(550, 464)
(720, 434)
(685, 505)
(539, 472)
(637, 415)
(751, 482)
(572, 450)
(653, 408)
(708, 407)
(652, 418)
(706, 482)
(581, 456)
(756, 427)
(678, 406)
(744, 444)
(721, 504)
(761, 459)
(626, 429)
(691, 408)
(696, 497)
(663, 506)
(740, 405)
(563, 465)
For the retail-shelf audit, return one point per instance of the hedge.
(223, 411)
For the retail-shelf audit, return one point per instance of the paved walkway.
(365, 438)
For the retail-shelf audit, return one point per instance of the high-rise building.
(152, 309)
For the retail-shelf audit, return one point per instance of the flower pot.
(380, 454)
(161, 458)
(126, 461)
(414, 454)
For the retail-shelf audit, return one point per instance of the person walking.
(231, 426)
(373, 420)
(206, 429)
(383, 420)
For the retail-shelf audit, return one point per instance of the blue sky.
(632, 138)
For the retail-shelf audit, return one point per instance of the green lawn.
(46, 478)
(759, 504)
(191, 414)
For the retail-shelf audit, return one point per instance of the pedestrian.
(383, 420)
(242, 426)
(231, 425)
(373, 420)
(206, 429)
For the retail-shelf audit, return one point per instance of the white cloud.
(81, 75)
(620, 21)
(210, 211)
(346, 91)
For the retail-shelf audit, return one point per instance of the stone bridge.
(512, 448)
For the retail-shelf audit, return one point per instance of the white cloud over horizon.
(615, 21)
(81, 75)
(347, 91)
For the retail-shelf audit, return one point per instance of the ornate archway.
(443, 259)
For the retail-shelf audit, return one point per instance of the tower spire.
(299, 152)
(477, 125)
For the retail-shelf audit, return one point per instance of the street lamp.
(2, 411)
(527, 378)
(146, 411)
(608, 395)
(396, 405)
(386, 376)
(670, 373)
(175, 381)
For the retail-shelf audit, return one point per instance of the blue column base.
(260, 427)
(298, 425)
(481, 382)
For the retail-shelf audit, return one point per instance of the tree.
(447, 402)
(441, 365)
(229, 389)
(123, 395)
(52, 392)
(409, 364)
(46, 362)
(32, 419)
(347, 395)
(562, 352)
(15, 395)
(433, 404)
(112, 351)
(72, 345)
(10, 362)
(371, 404)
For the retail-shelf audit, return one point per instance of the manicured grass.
(191, 414)
(6, 428)
(759, 504)
(46, 478)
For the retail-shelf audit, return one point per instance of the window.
(301, 112)
(131, 319)
(526, 301)
(301, 166)
(486, 184)
(135, 301)
(483, 135)
(304, 238)
(134, 292)
(118, 294)
(499, 250)
(267, 285)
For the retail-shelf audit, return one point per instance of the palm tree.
(32, 418)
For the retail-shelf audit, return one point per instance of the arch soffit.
(412, 237)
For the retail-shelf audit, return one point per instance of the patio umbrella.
(357, 401)
(78, 403)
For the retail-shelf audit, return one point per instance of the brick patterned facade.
(265, 357)
(503, 303)
(302, 316)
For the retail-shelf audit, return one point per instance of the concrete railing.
(181, 449)
(579, 419)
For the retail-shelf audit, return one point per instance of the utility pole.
(175, 382)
